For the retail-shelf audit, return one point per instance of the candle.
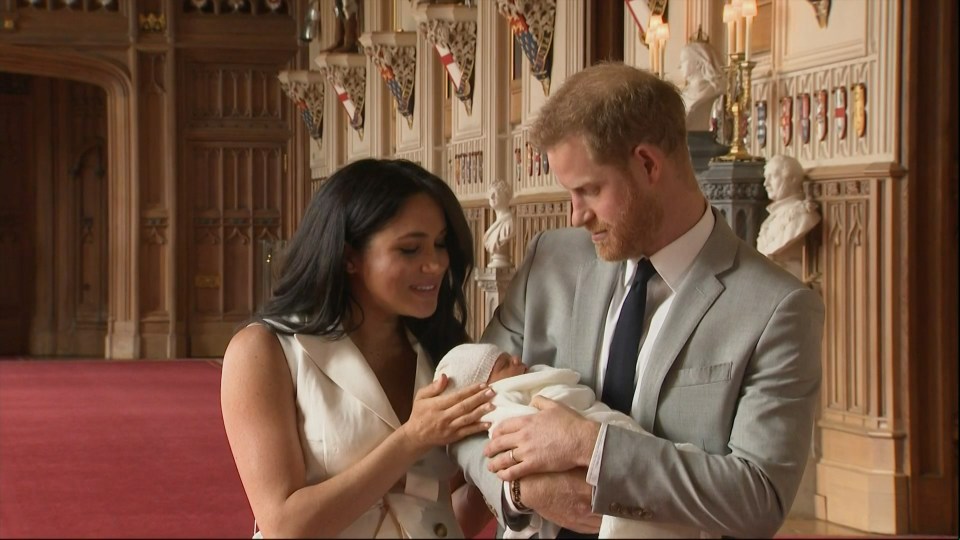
(729, 17)
(735, 8)
(663, 34)
(652, 42)
(651, 50)
(749, 10)
(739, 34)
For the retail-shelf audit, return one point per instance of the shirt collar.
(673, 261)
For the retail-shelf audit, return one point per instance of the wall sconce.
(310, 22)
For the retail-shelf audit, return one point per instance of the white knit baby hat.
(467, 364)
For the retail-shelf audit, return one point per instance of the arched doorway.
(53, 217)
(110, 159)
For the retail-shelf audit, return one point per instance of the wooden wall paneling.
(16, 214)
(930, 154)
(81, 177)
(236, 132)
(108, 68)
(42, 332)
(156, 105)
(79, 24)
(478, 219)
(536, 217)
(861, 480)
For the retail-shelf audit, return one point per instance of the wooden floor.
(813, 528)
(794, 527)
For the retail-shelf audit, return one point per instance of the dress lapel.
(342, 361)
(698, 291)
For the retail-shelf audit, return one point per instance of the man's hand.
(556, 439)
(563, 498)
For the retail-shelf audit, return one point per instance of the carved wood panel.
(79, 133)
(476, 319)
(234, 202)
(533, 218)
(853, 392)
(236, 124)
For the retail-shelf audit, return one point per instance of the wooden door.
(16, 215)
(235, 133)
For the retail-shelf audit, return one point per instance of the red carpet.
(116, 450)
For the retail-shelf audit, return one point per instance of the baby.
(516, 385)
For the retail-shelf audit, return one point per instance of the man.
(728, 357)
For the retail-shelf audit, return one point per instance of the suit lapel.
(698, 291)
(595, 285)
(344, 364)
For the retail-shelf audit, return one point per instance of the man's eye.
(408, 250)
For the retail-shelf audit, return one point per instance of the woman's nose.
(436, 262)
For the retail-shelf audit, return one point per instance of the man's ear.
(649, 158)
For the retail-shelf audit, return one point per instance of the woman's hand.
(438, 420)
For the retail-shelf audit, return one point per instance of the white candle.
(746, 51)
(739, 34)
(729, 17)
(749, 10)
(663, 34)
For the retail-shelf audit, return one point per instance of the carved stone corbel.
(822, 8)
(306, 90)
(395, 55)
(532, 22)
(347, 74)
(452, 30)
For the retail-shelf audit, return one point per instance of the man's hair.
(614, 107)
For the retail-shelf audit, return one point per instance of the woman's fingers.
(433, 389)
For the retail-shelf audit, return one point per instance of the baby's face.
(506, 366)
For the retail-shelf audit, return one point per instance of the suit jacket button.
(616, 508)
(440, 530)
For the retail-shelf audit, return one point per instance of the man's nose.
(579, 214)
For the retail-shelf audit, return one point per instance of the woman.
(328, 404)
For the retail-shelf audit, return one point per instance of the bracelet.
(515, 496)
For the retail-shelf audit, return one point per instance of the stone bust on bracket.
(701, 68)
(790, 217)
(497, 236)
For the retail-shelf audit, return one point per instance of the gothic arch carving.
(122, 333)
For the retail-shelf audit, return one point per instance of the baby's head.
(473, 363)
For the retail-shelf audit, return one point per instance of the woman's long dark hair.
(312, 294)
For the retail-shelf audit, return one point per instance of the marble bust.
(790, 217)
(701, 68)
(500, 232)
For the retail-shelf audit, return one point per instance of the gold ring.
(515, 460)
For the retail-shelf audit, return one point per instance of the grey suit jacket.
(735, 371)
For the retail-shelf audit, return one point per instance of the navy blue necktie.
(618, 382)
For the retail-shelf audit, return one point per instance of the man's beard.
(639, 220)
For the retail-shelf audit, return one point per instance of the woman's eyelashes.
(413, 250)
